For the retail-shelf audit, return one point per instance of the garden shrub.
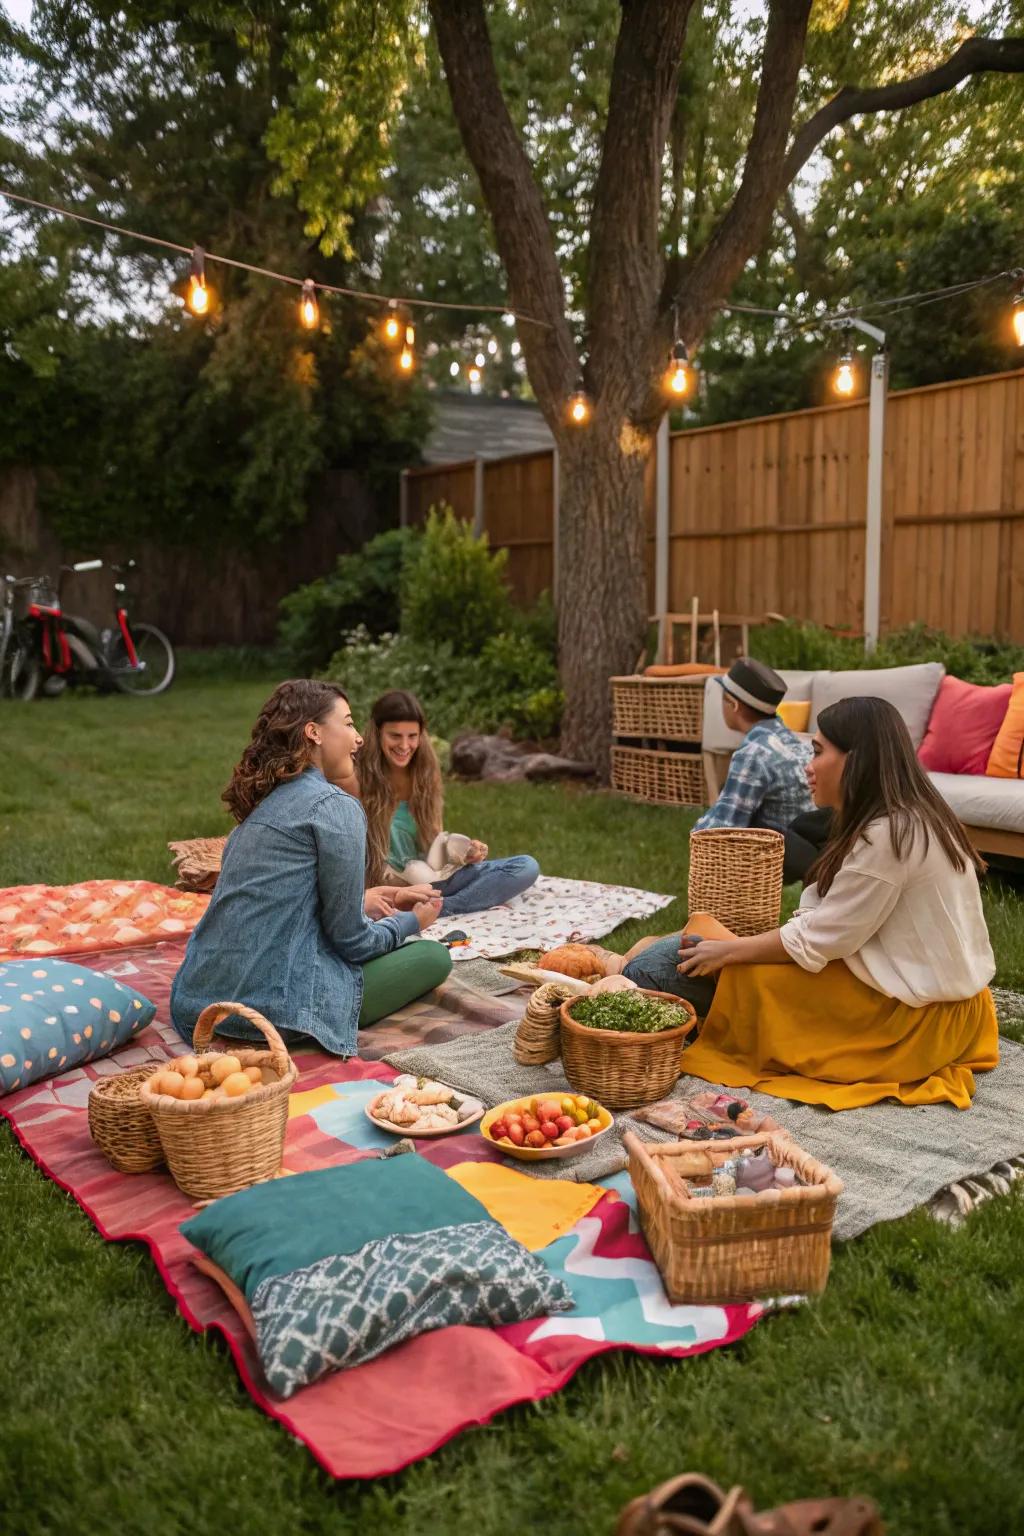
(808, 647)
(453, 587)
(364, 589)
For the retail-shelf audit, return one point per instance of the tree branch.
(512, 196)
(625, 260)
(978, 55)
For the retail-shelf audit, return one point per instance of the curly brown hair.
(426, 801)
(279, 749)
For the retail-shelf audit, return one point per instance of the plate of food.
(421, 1106)
(545, 1125)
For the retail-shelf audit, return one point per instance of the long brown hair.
(883, 778)
(426, 801)
(279, 749)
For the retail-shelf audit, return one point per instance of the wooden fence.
(769, 515)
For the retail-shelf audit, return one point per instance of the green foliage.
(458, 692)
(808, 647)
(453, 587)
(632, 1012)
(362, 590)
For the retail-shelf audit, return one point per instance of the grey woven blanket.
(891, 1158)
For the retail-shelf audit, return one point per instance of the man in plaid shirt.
(766, 785)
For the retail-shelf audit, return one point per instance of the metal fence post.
(662, 501)
(479, 510)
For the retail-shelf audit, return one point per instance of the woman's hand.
(379, 901)
(406, 897)
(427, 912)
(477, 852)
(705, 958)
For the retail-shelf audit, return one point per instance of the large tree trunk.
(602, 575)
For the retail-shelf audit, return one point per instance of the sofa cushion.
(717, 736)
(979, 801)
(1006, 760)
(964, 724)
(911, 690)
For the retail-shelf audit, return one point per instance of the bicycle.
(20, 662)
(58, 648)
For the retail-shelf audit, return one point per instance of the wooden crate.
(665, 708)
(666, 778)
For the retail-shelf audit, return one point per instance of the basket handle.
(216, 1013)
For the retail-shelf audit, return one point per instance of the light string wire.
(835, 318)
(390, 300)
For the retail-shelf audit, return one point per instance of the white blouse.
(911, 928)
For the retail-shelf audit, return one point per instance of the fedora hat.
(754, 684)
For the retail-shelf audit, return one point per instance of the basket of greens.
(623, 1048)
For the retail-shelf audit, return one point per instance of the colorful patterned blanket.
(384, 1414)
(98, 915)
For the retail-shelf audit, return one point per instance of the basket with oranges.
(221, 1116)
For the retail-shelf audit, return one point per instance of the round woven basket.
(736, 875)
(121, 1125)
(620, 1068)
(214, 1147)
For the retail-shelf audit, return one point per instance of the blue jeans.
(655, 969)
(476, 887)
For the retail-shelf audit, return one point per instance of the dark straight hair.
(883, 778)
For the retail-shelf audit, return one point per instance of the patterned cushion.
(338, 1265)
(55, 1015)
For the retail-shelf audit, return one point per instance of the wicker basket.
(121, 1125)
(620, 1068)
(537, 1039)
(214, 1147)
(733, 1248)
(736, 875)
(670, 708)
(668, 778)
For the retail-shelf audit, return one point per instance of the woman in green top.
(399, 783)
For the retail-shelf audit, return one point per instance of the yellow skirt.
(831, 1039)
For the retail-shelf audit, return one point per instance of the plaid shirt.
(766, 786)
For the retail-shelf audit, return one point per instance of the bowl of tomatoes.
(545, 1125)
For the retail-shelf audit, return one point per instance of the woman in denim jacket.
(287, 931)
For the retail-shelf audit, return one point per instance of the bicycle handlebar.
(83, 565)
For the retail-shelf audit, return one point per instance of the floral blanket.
(95, 916)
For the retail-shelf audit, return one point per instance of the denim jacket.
(285, 930)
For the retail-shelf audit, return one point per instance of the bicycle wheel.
(155, 653)
(22, 671)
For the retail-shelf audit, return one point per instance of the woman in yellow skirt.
(877, 987)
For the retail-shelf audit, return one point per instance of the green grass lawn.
(903, 1381)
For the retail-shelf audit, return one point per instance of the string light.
(392, 324)
(406, 361)
(480, 360)
(579, 406)
(309, 309)
(1018, 318)
(198, 298)
(474, 375)
(844, 381)
(680, 377)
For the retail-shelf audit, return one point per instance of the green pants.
(391, 981)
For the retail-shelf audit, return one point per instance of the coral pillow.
(1008, 751)
(963, 726)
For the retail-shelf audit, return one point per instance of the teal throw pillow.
(55, 1015)
(339, 1265)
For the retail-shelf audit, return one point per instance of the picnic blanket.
(891, 1157)
(95, 916)
(380, 1416)
(550, 913)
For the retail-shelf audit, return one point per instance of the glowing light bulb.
(198, 297)
(474, 375)
(1018, 319)
(309, 309)
(392, 325)
(579, 406)
(679, 377)
(480, 360)
(410, 335)
(845, 381)
(405, 362)
(454, 370)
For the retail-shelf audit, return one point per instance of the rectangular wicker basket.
(668, 708)
(735, 1248)
(669, 778)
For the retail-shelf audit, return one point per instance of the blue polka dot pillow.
(55, 1015)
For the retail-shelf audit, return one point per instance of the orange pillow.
(1006, 760)
(684, 669)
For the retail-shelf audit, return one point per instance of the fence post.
(555, 503)
(478, 496)
(662, 498)
(873, 544)
(403, 499)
